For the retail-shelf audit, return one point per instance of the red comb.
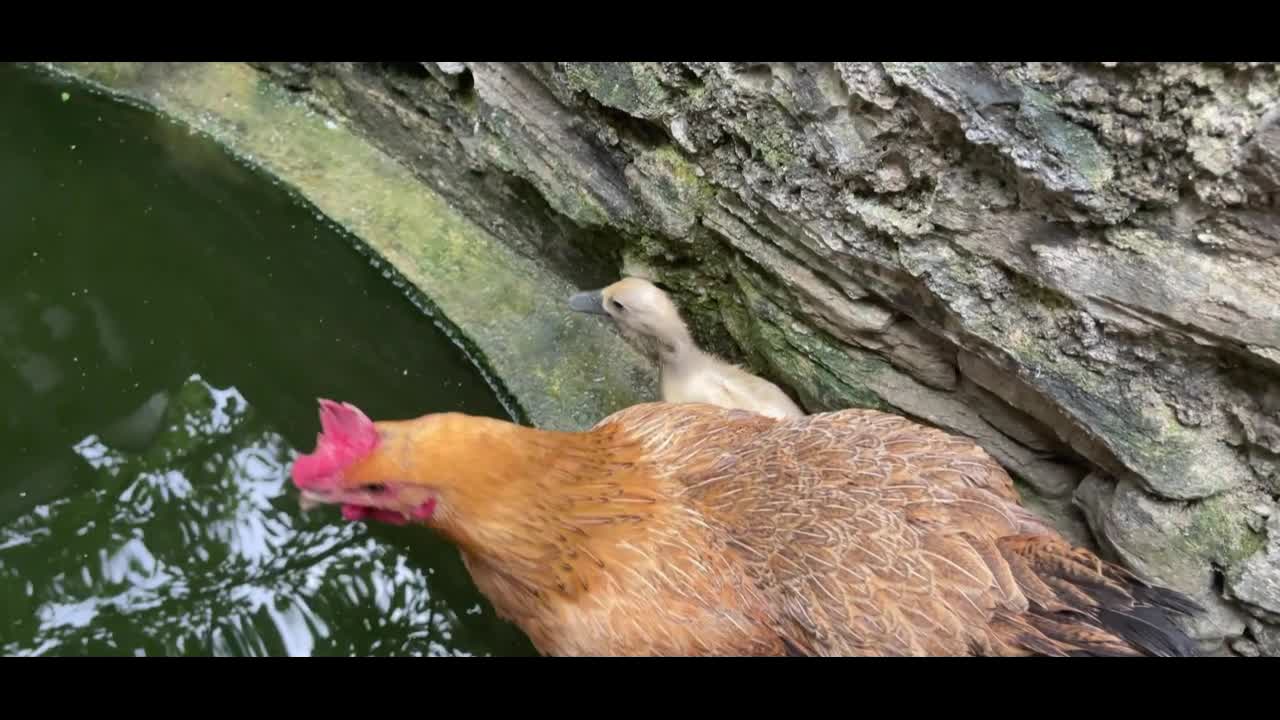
(347, 435)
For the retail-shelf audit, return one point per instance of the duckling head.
(644, 314)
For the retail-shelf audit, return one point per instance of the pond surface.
(167, 319)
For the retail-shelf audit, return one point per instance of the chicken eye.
(617, 306)
(375, 488)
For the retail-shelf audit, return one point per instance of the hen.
(689, 529)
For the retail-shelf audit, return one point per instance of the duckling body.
(703, 378)
(650, 322)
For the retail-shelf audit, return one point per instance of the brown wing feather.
(875, 535)
(1098, 608)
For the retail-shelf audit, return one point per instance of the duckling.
(649, 321)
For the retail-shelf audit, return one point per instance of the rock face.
(1076, 265)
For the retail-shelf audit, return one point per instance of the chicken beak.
(590, 301)
(310, 501)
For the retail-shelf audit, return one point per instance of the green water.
(167, 319)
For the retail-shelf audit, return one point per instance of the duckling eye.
(617, 306)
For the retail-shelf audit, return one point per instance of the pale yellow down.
(649, 321)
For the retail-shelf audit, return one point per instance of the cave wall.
(1077, 265)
